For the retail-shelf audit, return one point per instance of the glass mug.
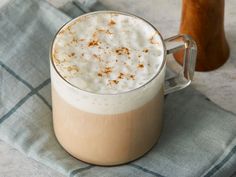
(112, 129)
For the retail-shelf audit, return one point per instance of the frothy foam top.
(107, 52)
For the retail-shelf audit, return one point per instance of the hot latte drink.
(107, 88)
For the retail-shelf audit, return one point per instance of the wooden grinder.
(204, 21)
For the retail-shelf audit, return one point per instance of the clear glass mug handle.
(185, 76)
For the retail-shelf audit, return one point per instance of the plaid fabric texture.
(198, 138)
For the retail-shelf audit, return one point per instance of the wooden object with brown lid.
(204, 21)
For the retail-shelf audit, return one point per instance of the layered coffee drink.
(107, 87)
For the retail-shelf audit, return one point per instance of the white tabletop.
(218, 85)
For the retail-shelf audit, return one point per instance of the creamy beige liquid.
(107, 139)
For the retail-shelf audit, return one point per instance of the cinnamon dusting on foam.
(140, 66)
(73, 68)
(111, 22)
(106, 31)
(107, 52)
(111, 82)
(107, 70)
(122, 51)
(121, 76)
(97, 57)
(93, 43)
(153, 39)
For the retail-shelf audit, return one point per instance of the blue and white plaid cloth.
(198, 138)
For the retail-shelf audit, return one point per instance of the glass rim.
(114, 12)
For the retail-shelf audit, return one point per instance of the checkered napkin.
(198, 138)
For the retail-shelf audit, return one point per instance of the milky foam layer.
(107, 52)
